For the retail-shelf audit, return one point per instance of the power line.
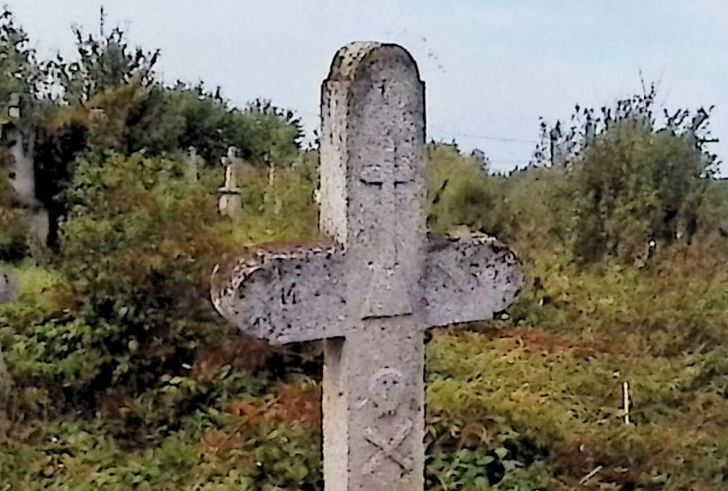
(501, 139)
(491, 138)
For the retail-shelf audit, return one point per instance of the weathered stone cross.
(373, 291)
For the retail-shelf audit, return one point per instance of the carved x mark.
(389, 449)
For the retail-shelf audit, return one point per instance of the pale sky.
(491, 67)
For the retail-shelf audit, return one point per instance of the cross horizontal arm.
(284, 294)
(468, 279)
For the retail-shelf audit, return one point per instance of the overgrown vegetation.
(125, 378)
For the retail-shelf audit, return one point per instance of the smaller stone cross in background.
(8, 287)
(230, 202)
(193, 163)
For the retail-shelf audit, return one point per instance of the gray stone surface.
(22, 169)
(193, 163)
(379, 284)
(230, 201)
(8, 287)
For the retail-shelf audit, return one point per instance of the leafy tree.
(461, 194)
(20, 73)
(262, 132)
(104, 62)
(277, 133)
(634, 177)
(110, 100)
(135, 250)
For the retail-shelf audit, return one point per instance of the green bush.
(462, 195)
(634, 177)
(135, 253)
(126, 378)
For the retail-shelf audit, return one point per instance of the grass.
(542, 400)
(525, 404)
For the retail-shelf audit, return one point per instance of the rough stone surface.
(284, 294)
(22, 169)
(373, 291)
(230, 201)
(193, 163)
(8, 288)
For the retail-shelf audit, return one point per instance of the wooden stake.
(625, 401)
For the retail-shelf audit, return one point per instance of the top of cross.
(351, 59)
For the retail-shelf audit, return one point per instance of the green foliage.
(127, 313)
(634, 186)
(111, 100)
(20, 72)
(261, 132)
(461, 194)
(633, 179)
(13, 232)
(126, 378)
(104, 62)
(549, 391)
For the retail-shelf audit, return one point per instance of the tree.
(635, 177)
(20, 73)
(104, 62)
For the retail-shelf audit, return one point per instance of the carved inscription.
(388, 448)
(386, 395)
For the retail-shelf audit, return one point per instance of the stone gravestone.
(230, 201)
(192, 166)
(372, 291)
(8, 288)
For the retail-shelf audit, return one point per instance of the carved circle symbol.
(386, 390)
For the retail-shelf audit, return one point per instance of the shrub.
(634, 178)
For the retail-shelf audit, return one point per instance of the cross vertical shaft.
(373, 379)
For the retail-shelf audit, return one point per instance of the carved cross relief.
(386, 276)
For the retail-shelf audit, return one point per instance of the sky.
(491, 68)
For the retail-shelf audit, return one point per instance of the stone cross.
(230, 201)
(192, 165)
(373, 291)
(8, 288)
